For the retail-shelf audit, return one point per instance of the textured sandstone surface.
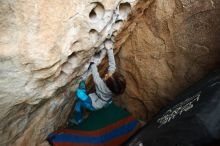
(165, 46)
(170, 45)
(46, 45)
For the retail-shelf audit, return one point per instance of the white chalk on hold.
(101, 46)
(117, 25)
(96, 60)
(113, 38)
(108, 43)
(109, 36)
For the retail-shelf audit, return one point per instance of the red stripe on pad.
(98, 132)
(114, 142)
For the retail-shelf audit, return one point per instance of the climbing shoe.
(74, 122)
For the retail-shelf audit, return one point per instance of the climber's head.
(115, 82)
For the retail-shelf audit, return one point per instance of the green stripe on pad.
(101, 118)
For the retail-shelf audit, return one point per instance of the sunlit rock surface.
(170, 45)
(45, 47)
(164, 47)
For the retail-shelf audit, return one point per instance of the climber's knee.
(82, 85)
(81, 94)
(88, 104)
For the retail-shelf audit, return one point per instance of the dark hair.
(116, 83)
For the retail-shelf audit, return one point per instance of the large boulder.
(170, 44)
(165, 46)
(45, 48)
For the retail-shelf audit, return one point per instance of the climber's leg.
(83, 101)
(88, 104)
(81, 91)
(78, 117)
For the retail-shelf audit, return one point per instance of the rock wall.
(170, 44)
(165, 46)
(45, 47)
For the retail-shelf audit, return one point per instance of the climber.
(112, 84)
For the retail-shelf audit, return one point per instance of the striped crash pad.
(109, 126)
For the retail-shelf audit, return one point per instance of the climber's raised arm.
(113, 84)
(95, 74)
(111, 58)
(86, 75)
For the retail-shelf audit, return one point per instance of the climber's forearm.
(95, 74)
(111, 60)
(86, 75)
